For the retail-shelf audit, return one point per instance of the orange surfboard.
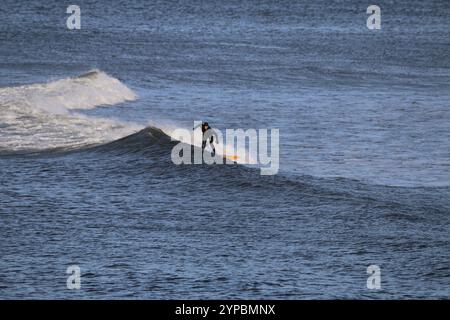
(233, 158)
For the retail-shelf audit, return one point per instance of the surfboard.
(232, 158)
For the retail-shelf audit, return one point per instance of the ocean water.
(86, 176)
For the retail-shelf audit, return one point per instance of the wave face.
(43, 116)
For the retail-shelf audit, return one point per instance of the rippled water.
(86, 176)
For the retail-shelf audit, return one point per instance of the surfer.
(208, 135)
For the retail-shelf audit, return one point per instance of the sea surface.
(87, 179)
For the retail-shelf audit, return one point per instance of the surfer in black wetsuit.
(208, 135)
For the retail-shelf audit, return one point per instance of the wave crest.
(87, 91)
(41, 117)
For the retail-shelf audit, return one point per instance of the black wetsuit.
(211, 139)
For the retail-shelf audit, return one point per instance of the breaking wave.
(43, 116)
(46, 117)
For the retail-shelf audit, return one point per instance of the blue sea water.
(86, 176)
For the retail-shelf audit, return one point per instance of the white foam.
(39, 116)
(85, 92)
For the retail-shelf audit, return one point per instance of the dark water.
(86, 176)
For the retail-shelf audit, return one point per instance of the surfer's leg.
(212, 146)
